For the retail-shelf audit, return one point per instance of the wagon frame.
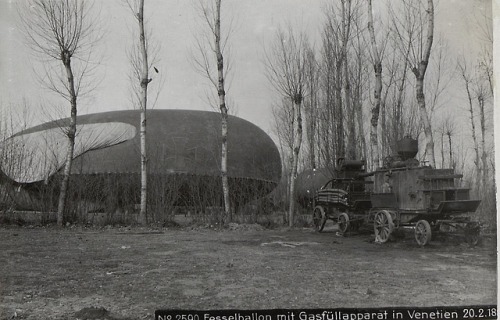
(352, 210)
(404, 195)
(342, 205)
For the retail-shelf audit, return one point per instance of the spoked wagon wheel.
(319, 219)
(472, 230)
(423, 233)
(343, 222)
(383, 226)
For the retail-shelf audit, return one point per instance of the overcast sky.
(174, 23)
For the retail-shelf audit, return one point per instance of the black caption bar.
(433, 313)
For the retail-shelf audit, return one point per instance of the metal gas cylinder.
(407, 148)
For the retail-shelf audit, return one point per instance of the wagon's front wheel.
(319, 218)
(383, 226)
(423, 233)
(343, 222)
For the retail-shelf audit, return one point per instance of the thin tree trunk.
(442, 149)
(311, 129)
(473, 128)
(311, 138)
(377, 66)
(312, 116)
(329, 143)
(384, 148)
(144, 98)
(60, 30)
(224, 117)
(297, 141)
(452, 162)
(339, 116)
(484, 155)
(424, 118)
(399, 101)
(71, 142)
(351, 137)
(419, 86)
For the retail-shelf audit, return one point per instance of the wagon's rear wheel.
(383, 226)
(423, 233)
(343, 222)
(319, 218)
(472, 230)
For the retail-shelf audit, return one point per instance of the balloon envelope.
(185, 144)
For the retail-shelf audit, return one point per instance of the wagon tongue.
(458, 206)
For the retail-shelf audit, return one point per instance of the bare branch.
(63, 31)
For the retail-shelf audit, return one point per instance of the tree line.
(372, 80)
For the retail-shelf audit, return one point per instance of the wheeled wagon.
(400, 195)
(344, 199)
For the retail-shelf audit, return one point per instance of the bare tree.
(376, 55)
(62, 31)
(330, 128)
(449, 130)
(311, 105)
(399, 114)
(468, 83)
(283, 117)
(141, 65)
(286, 69)
(215, 43)
(349, 31)
(223, 109)
(484, 87)
(335, 47)
(358, 72)
(343, 66)
(415, 31)
(481, 93)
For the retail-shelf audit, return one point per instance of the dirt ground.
(128, 273)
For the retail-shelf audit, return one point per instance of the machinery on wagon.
(401, 194)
